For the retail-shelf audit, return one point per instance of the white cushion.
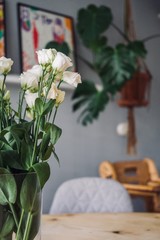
(91, 195)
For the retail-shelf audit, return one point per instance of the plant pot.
(135, 91)
(20, 206)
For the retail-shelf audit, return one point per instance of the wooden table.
(103, 226)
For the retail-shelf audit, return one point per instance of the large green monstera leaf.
(91, 100)
(117, 65)
(92, 22)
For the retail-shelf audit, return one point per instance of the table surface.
(98, 226)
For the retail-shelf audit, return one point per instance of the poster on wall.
(38, 28)
(2, 30)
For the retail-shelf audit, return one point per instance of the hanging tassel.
(131, 141)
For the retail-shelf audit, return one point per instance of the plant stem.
(35, 139)
(50, 80)
(1, 108)
(19, 226)
(3, 84)
(90, 65)
(28, 225)
(14, 214)
(55, 113)
(24, 115)
(20, 105)
(120, 32)
(151, 37)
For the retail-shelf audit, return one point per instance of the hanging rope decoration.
(135, 92)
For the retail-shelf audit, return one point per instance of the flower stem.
(20, 105)
(50, 81)
(36, 138)
(1, 106)
(14, 214)
(28, 225)
(18, 235)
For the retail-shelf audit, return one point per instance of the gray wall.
(81, 149)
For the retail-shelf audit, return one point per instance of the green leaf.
(42, 123)
(54, 131)
(4, 145)
(10, 158)
(49, 106)
(7, 227)
(91, 100)
(49, 139)
(117, 65)
(8, 189)
(96, 104)
(14, 139)
(98, 44)
(44, 145)
(26, 154)
(12, 136)
(47, 153)
(92, 22)
(39, 106)
(30, 194)
(87, 88)
(138, 48)
(56, 156)
(80, 103)
(60, 47)
(43, 172)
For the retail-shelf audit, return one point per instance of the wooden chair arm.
(155, 185)
(139, 187)
(157, 181)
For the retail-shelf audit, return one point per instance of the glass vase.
(20, 206)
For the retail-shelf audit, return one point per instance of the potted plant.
(114, 65)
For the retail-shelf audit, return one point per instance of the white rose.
(53, 92)
(37, 70)
(29, 81)
(72, 78)
(5, 65)
(30, 98)
(60, 97)
(61, 62)
(46, 56)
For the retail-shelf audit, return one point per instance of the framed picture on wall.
(38, 29)
(2, 30)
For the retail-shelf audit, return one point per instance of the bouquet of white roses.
(28, 136)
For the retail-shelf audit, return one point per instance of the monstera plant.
(114, 65)
(60, 47)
